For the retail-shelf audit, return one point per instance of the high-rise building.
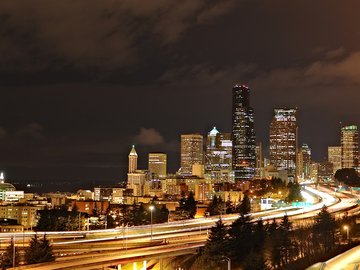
(243, 134)
(191, 152)
(325, 171)
(304, 162)
(218, 157)
(259, 161)
(133, 156)
(350, 147)
(283, 140)
(157, 164)
(334, 156)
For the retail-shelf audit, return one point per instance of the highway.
(181, 236)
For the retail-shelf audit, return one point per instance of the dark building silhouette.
(243, 134)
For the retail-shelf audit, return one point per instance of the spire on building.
(213, 132)
(133, 151)
(133, 156)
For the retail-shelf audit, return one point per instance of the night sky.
(82, 80)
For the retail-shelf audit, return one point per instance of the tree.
(190, 205)
(8, 256)
(294, 192)
(245, 206)
(286, 244)
(349, 176)
(39, 251)
(140, 215)
(324, 229)
(215, 249)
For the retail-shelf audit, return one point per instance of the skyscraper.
(191, 152)
(350, 147)
(243, 134)
(334, 156)
(259, 160)
(283, 140)
(157, 164)
(218, 157)
(304, 162)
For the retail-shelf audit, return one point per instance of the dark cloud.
(32, 131)
(89, 35)
(89, 74)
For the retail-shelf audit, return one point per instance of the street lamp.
(346, 228)
(228, 262)
(151, 208)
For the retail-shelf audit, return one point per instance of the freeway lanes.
(107, 259)
(177, 233)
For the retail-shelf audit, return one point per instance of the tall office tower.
(334, 156)
(304, 162)
(283, 140)
(191, 152)
(218, 156)
(259, 160)
(136, 178)
(157, 164)
(349, 147)
(133, 156)
(243, 134)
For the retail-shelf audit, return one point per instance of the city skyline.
(75, 98)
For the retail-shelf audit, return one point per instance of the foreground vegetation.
(259, 246)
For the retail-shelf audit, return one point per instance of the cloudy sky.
(82, 80)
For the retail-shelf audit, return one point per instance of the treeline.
(348, 176)
(258, 246)
(61, 219)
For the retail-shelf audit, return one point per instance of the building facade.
(157, 164)
(304, 162)
(218, 157)
(283, 140)
(191, 152)
(350, 147)
(243, 134)
(334, 156)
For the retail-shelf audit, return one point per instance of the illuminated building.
(136, 178)
(334, 156)
(325, 171)
(314, 169)
(259, 161)
(304, 162)
(349, 147)
(218, 157)
(157, 164)
(283, 140)
(25, 215)
(191, 152)
(243, 134)
(133, 156)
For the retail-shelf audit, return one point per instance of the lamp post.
(228, 262)
(346, 228)
(151, 208)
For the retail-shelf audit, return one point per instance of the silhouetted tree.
(245, 206)
(39, 251)
(324, 229)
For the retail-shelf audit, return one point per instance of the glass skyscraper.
(243, 134)
(283, 140)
